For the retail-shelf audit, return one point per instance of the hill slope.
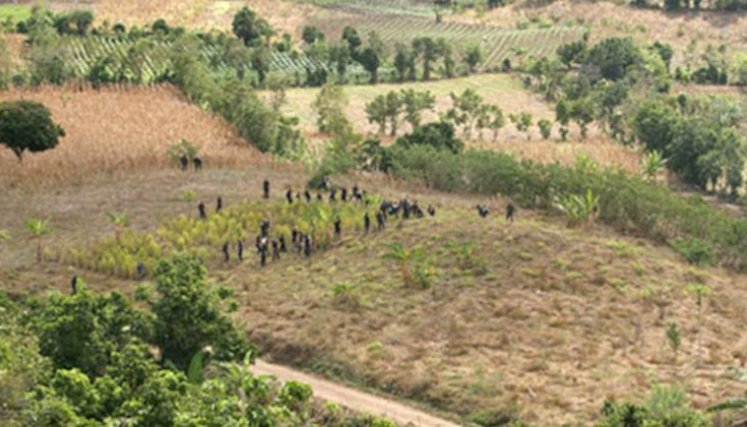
(529, 315)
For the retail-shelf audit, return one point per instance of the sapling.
(674, 338)
(700, 292)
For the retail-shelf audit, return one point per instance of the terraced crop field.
(497, 43)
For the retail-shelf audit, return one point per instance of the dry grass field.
(500, 89)
(114, 129)
(546, 319)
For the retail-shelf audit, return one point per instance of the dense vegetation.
(96, 360)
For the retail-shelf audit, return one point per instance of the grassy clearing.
(533, 313)
(501, 89)
(118, 128)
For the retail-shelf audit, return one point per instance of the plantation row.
(150, 63)
(390, 7)
(497, 44)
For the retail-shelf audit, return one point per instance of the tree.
(613, 56)
(340, 57)
(654, 124)
(465, 110)
(571, 53)
(261, 62)
(522, 121)
(329, 105)
(426, 48)
(415, 102)
(312, 34)
(443, 48)
(545, 127)
(473, 56)
(27, 125)
(404, 63)
(563, 117)
(250, 28)
(376, 111)
(582, 112)
(351, 36)
(439, 135)
(188, 318)
(38, 229)
(371, 61)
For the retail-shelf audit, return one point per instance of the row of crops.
(497, 43)
(148, 61)
(389, 7)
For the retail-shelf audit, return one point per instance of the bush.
(439, 135)
(695, 251)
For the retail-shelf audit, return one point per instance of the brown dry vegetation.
(500, 89)
(199, 14)
(559, 319)
(114, 128)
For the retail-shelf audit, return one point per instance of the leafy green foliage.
(674, 338)
(27, 126)
(613, 56)
(439, 135)
(183, 331)
(250, 28)
(578, 209)
(666, 406)
(416, 269)
(183, 148)
(695, 251)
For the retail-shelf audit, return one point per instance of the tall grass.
(625, 201)
(120, 127)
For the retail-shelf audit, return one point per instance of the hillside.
(530, 315)
(114, 129)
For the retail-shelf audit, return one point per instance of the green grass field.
(14, 12)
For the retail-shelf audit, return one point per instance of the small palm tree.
(653, 162)
(119, 221)
(38, 228)
(404, 257)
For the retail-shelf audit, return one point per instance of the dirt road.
(353, 399)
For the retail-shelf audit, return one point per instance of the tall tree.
(28, 126)
(427, 49)
(371, 61)
(415, 102)
(473, 56)
(250, 28)
(353, 39)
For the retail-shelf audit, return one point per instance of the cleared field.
(114, 129)
(500, 89)
(535, 315)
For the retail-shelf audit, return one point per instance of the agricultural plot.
(119, 255)
(497, 44)
(148, 61)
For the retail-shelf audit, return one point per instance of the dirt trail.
(354, 399)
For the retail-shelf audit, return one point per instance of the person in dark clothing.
(380, 221)
(74, 285)
(264, 228)
(198, 163)
(281, 240)
(307, 196)
(344, 194)
(240, 250)
(219, 205)
(338, 227)
(366, 223)
(275, 250)
(201, 209)
(431, 210)
(289, 196)
(307, 246)
(226, 255)
(332, 195)
(483, 211)
(266, 188)
(510, 212)
(184, 161)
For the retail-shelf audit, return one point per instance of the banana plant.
(38, 228)
(119, 221)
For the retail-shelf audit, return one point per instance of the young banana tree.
(38, 228)
(119, 221)
(652, 163)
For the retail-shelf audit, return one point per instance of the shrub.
(439, 135)
(695, 251)
(27, 125)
